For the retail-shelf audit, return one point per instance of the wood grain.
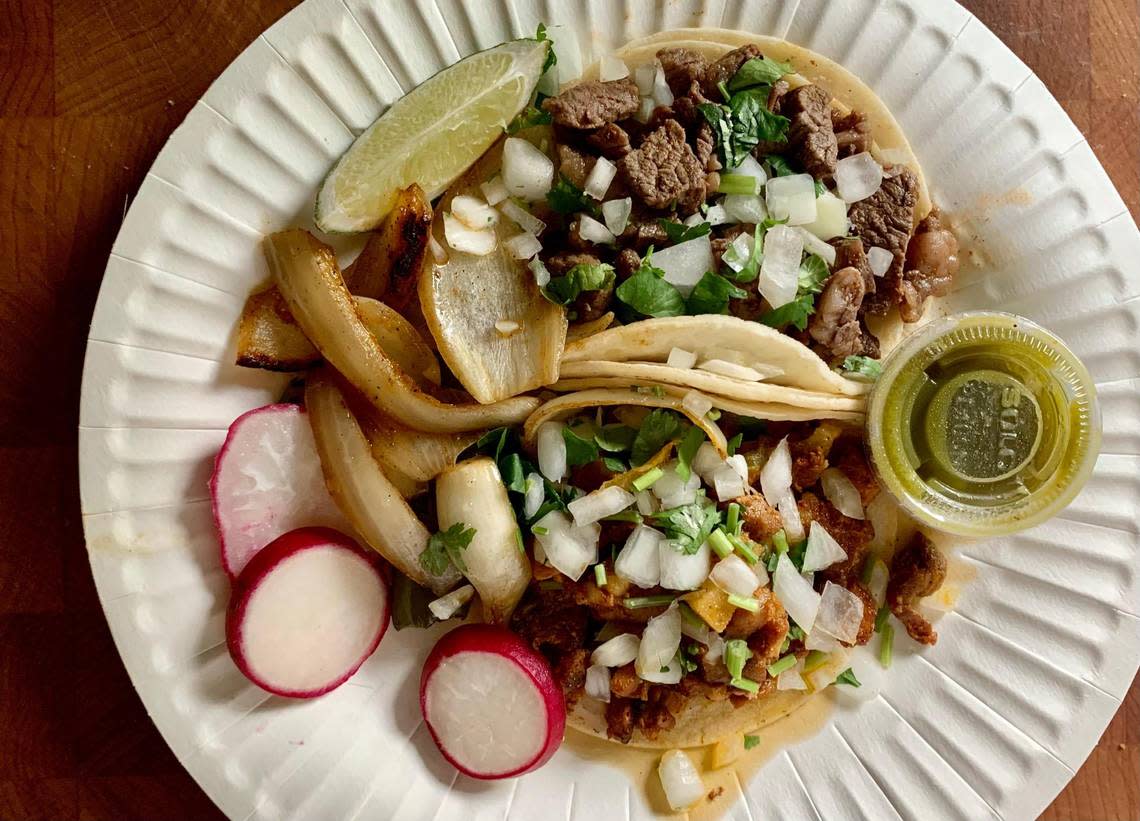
(88, 93)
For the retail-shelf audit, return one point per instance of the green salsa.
(983, 424)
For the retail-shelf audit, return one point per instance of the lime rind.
(430, 136)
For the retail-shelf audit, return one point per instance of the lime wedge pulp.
(431, 135)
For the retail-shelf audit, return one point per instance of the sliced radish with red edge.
(491, 702)
(306, 612)
(267, 481)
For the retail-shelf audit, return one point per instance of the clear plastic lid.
(983, 424)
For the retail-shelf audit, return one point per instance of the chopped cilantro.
(614, 465)
(551, 57)
(579, 450)
(647, 292)
(659, 427)
(615, 438)
(566, 198)
(751, 741)
(778, 166)
(734, 443)
(711, 295)
(679, 232)
(563, 290)
(847, 677)
(742, 124)
(445, 548)
(688, 526)
(862, 367)
(761, 71)
(813, 273)
(794, 313)
(690, 444)
(529, 117)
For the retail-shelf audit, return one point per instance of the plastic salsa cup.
(983, 424)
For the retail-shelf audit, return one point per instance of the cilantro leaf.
(813, 273)
(659, 427)
(820, 189)
(751, 741)
(410, 603)
(614, 465)
(862, 367)
(794, 313)
(711, 295)
(734, 444)
(493, 441)
(688, 448)
(615, 438)
(753, 123)
(551, 57)
(678, 232)
(513, 473)
(688, 526)
(528, 118)
(445, 548)
(563, 290)
(761, 71)
(649, 294)
(566, 198)
(847, 677)
(579, 450)
(778, 166)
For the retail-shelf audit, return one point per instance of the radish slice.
(267, 481)
(491, 703)
(306, 612)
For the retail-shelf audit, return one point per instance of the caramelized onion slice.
(419, 456)
(373, 505)
(465, 296)
(472, 492)
(594, 397)
(400, 340)
(308, 277)
(389, 266)
(268, 337)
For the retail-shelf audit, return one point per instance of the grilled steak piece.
(664, 172)
(835, 323)
(684, 71)
(593, 104)
(726, 67)
(811, 139)
(611, 140)
(852, 133)
(886, 220)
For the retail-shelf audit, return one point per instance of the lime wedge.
(431, 135)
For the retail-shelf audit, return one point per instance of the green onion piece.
(688, 615)
(780, 541)
(744, 603)
(519, 540)
(736, 653)
(773, 560)
(847, 677)
(787, 643)
(751, 741)
(781, 664)
(646, 480)
(732, 522)
(747, 685)
(624, 516)
(746, 552)
(713, 415)
(637, 602)
(797, 632)
(600, 574)
(736, 184)
(886, 645)
(815, 659)
(881, 618)
(539, 531)
(719, 543)
(868, 568)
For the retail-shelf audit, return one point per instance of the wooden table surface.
(89, 91)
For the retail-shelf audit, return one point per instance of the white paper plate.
(991, 722)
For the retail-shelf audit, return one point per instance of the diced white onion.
(569, 550)
(612, 68)
(659, 643)
(551, 451)
(672, 491)
(680, 779)
(521, 217)
(527, 172)
(840, 613)
(794, 592)
(438, 252)
(857, 177)
(749, 167)
(814, 245)
(790, 516)
(618, 651)
(462, 238)
(780, 271)
(638, 561)
(598, 682)
(683, 571)
(616, 214)
(646, 503)
(645, 110)
(535, 494)
(731, 369)
(523, 246)
(448, 605)
(599, 504)
(819, 640)
(842, 493)
(715, 216)
(748, 208)
(643, 76)
(822, 549)
(593, 231)
(739, 464)
(823, 675)
(707, 460)
(880, 260)
(830, 217)
(541, 273)
(739, 251)
(494, 190)
(473, 212)
(791, 198)
(727, 483)
(600, 177)
(792, 678)
(680, 358)
(696, 403)
(776, 475)
(670, 674)
(662, 94)
(685, 263)
(878, 582)
(869, 672)
(564, 42)
(507, 327)
(733, 575)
